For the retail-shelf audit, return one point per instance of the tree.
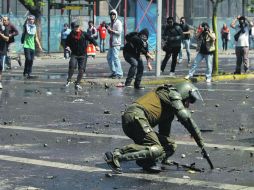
(34, 7)
(215, 4)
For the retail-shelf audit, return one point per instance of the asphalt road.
(54, 138)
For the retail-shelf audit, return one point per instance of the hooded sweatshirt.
(116, 25)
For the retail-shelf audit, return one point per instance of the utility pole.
(158, 54)
(48, 26)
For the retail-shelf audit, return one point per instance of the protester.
(136, 44)
(185, 41)
(157, 107)
(64, 33)
(30, 37)
(76, 43)
(241, 43)
(4, 38)
(92, 32)
(103, 34)
(225, 36)
(115, 31)
(173, 35)
(205, 48)
(12, 33)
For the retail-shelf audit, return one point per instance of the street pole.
(158, 35)
(48, 26)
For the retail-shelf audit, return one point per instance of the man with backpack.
(136, 45)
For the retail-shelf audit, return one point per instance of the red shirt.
(102, 31)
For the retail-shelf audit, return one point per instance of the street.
(54, 138)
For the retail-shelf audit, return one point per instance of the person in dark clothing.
(4, 38)
(12, 33)
(173, 35)
(185, 41)
(76, 42)
(136, 45)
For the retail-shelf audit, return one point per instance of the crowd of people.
(78, 44)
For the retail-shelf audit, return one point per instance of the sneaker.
(112, 76)
(208, 80)
(112, 162)
(1, 86)
(68, 83)
(172, 74)
(119, 76)
(78, 87)
(128, 86)
(187, 77)
(139, 87)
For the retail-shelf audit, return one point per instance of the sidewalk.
(99, 77)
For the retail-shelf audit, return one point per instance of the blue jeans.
(2, 62)
(114, 61)
(209, 64)
(186, 44)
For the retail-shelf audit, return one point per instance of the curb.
(168, 80)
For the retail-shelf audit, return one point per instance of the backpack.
(130, 35)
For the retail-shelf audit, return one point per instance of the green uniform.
(155, 108)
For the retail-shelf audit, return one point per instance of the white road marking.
(210, 145)
(149, 177)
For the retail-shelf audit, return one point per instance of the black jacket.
(78, 46)
(135, 46)
(173, 35)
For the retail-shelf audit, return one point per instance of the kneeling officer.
(157, 107)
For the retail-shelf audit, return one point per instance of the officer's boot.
(146, 158)
(112, 160)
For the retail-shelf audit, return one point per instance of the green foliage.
(250, 6)
(29, 3)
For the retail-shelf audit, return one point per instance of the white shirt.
(243, 40)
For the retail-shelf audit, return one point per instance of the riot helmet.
(188, 92)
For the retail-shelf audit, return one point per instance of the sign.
(73, 7)
(69, 6)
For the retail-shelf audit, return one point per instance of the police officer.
(157, 107)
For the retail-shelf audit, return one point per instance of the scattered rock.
(217, 105)
(106, 125)
(186, 177)
(25, 102)
(50, 177)
(64, 120)
(247, 97)
(183, 156)
(106, 112)
(242, 128)
(108, 175)
(251, 154)
(45, 145)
